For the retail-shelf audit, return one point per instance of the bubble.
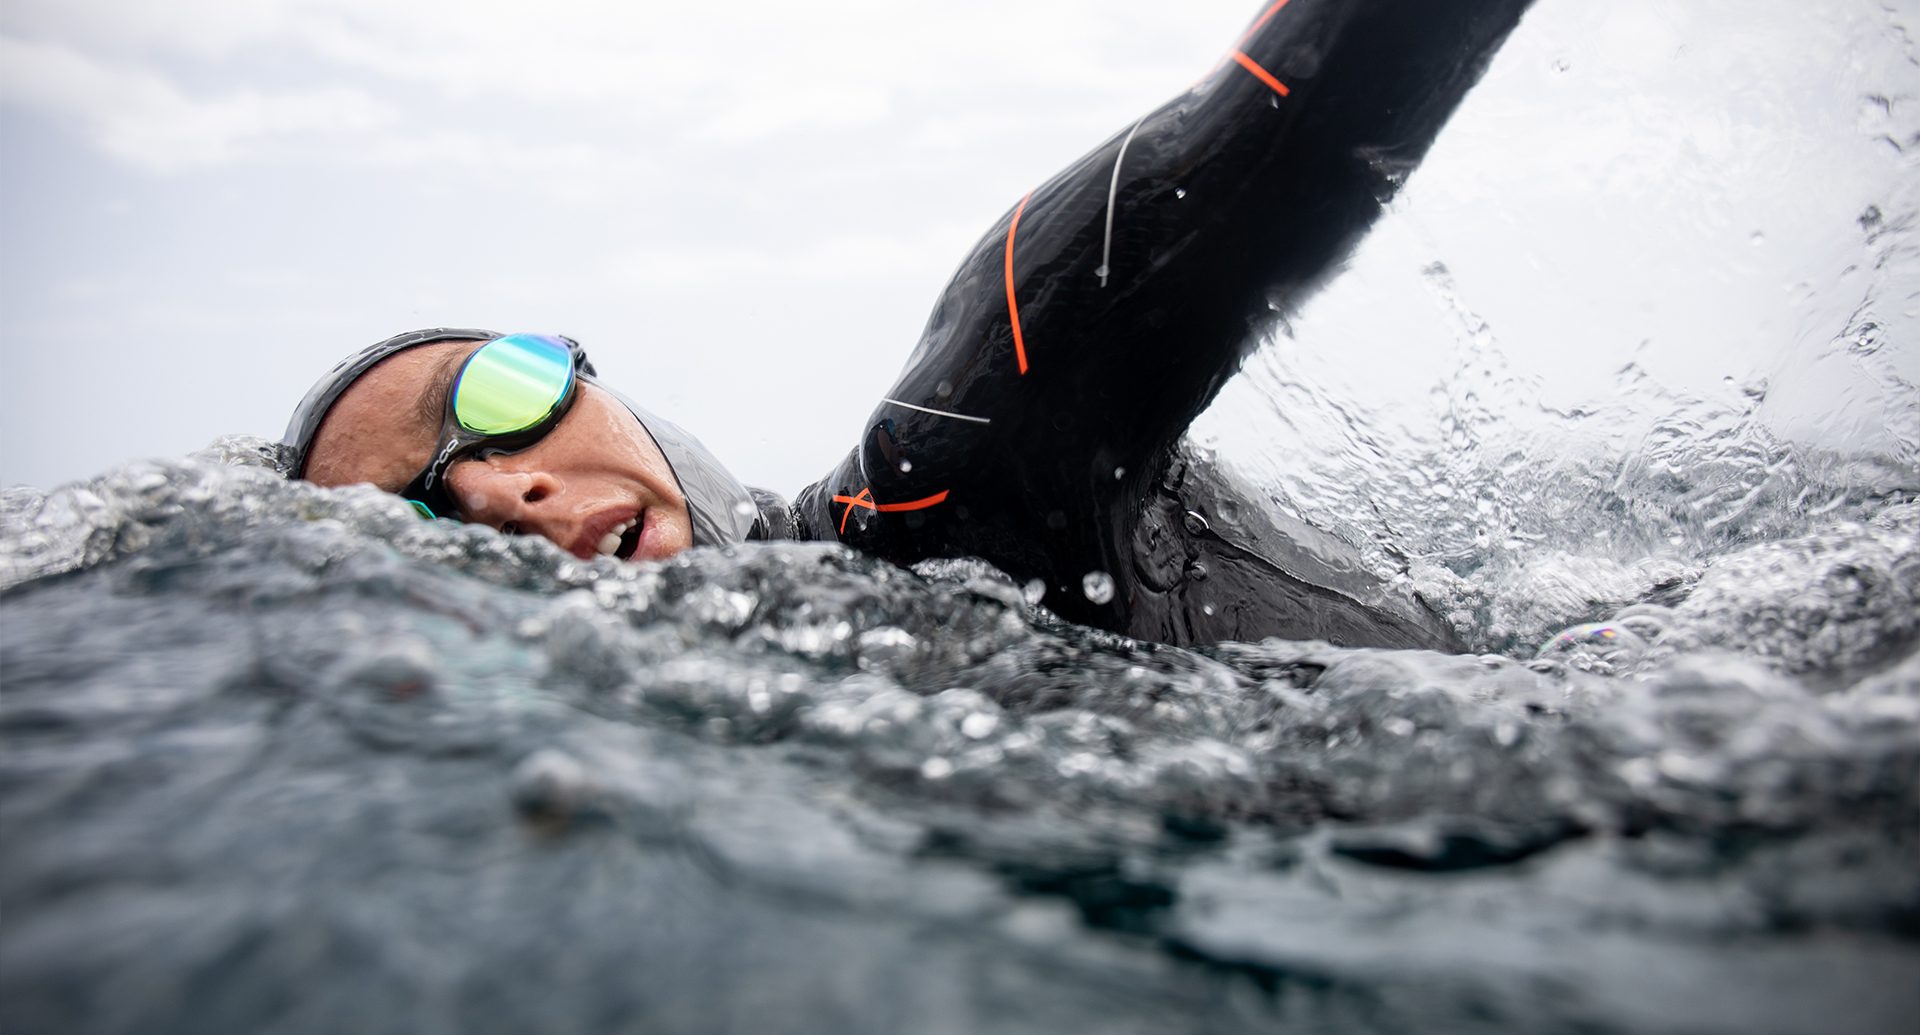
(1594, 647)
(550, 785)
(1098, 586)
(1035, 590)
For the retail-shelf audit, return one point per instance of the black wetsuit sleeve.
(1101, 315)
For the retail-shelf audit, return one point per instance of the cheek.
(478, 495)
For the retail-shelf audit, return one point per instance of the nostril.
(533, 495)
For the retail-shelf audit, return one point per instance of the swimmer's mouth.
(630, 539)
(622, 540)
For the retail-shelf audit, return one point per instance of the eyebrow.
(431, 407)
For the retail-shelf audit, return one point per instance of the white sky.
(745, 212)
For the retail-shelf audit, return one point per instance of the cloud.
(725, 75)
(141, 118)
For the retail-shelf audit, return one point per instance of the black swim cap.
(722, 510)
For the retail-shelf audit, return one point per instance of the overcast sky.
(745, 211)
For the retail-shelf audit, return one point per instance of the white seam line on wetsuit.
(1113, 191)
(939, 413)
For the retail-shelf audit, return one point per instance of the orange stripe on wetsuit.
(1250, 64)
(1262, 20)
(1013, 307)
(865, 499)
(1259, 73)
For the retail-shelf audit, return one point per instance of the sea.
(1625, 385)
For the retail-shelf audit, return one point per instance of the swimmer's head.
(604, 477)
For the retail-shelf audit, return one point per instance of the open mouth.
(622, 539)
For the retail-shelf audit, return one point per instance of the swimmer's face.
(597, 470)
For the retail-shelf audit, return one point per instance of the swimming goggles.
(507, 396)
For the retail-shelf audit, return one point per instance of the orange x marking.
(865, 499)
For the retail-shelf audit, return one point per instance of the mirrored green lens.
(511, 384)
(422, 509)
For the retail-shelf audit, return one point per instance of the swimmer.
(1037, 424)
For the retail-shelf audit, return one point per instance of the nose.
(520, 501)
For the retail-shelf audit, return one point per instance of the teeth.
(611, 541)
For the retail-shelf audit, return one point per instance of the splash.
(586, 789)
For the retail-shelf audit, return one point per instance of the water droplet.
(744, 508)
(1098, 586)
(1197, 571)
(1102, 271)
(978, 724)
(945, 389)
(1119, 473)
(1034, 591)
(936, 768)
(1196, 522)
(1179, 192)
(905, 465)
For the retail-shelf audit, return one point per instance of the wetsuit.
(1036, 423)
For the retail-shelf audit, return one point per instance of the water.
(1624, 385)
(1654, 296)
(289, 759)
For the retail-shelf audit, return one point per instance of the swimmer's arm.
(1079, 339)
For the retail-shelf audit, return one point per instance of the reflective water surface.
(290, 759)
